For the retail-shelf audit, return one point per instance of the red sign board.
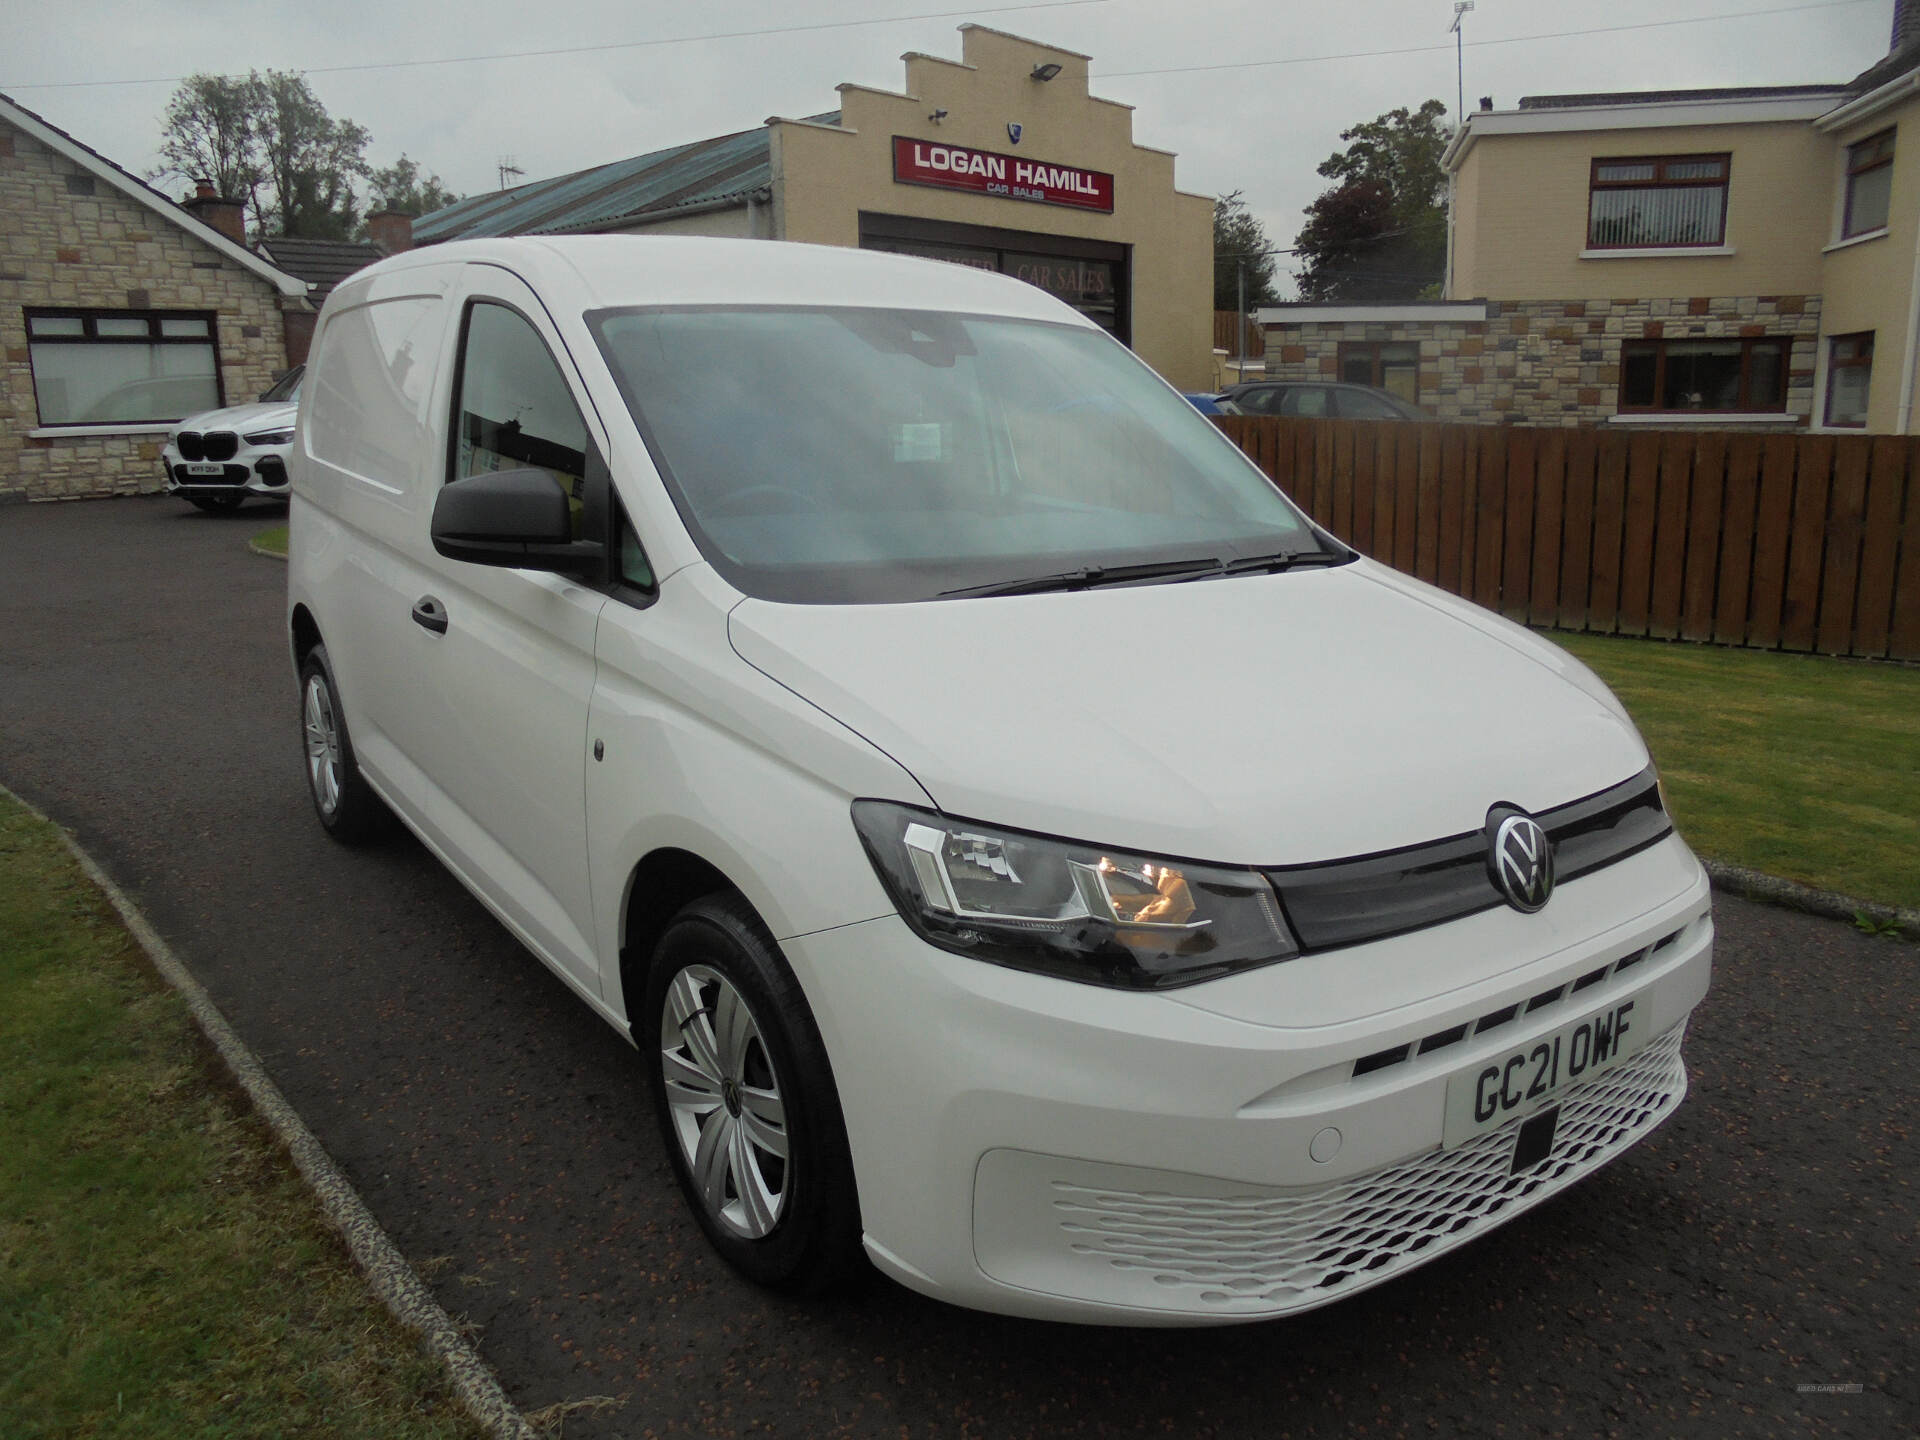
(1014, 177)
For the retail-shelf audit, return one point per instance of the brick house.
(1739, 258)
(120, 311)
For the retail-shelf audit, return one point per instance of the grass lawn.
(274, 540)
(163, 1272)
(1796, 765)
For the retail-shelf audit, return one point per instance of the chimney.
(391, 230)
(1486, 102)
(229, 217)
(1906, 25)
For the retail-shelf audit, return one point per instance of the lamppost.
(1460, 8)
(1240, 258)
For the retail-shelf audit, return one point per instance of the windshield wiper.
(1286, 560)
(1089, 576)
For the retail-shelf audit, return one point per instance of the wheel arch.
(303, 632)
(664, 882)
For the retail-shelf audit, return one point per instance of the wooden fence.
(1780, 542)
(1251, 341)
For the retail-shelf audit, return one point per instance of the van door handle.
(430, 614)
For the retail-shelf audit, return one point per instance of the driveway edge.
(1771, 889)
(388, 1274)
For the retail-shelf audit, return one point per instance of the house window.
(1869, 185)
(1658, 201)
(1849, 377)
(122, 367)
(1390, 365)
(1730, 376)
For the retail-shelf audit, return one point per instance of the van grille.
(1369, 897)
(1291, 1251)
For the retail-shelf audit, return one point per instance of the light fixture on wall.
(1045, 72)
(937, 116)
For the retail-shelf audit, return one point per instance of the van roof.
(590, 272)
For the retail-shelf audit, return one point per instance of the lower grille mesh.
(1303, 1249)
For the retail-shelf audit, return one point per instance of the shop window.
(1091, 276)
(1658, 201)
(1087, 285)
(1390, 365)
(1728, 376)
(1849, 377)
(122, 367)
(1869, 185)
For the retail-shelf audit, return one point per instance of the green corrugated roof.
(700, 173)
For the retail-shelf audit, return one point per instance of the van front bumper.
(1036, 1147)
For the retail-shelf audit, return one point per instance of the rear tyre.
(746, 1101)
(349, 811)
(216, 503)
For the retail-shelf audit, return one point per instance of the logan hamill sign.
(956, 167)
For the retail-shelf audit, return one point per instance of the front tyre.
(349, 811)
(746, 1101)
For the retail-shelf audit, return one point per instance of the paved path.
(1762, 1241)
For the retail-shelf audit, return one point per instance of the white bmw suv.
(1024, 849)
(216, 459)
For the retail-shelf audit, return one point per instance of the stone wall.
(1552, 362)
(107, 250)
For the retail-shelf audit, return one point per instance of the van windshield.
(869, 455)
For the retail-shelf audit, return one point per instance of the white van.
(1021, 845)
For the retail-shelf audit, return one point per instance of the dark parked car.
(1318, 400)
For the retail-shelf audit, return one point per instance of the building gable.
(107, 173)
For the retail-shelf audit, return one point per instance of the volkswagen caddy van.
(1025, 851)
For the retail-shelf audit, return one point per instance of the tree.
(403, 185)
(1380, 232)
(268, 141)
(311, 159)
(209, 134)
(1239, 239)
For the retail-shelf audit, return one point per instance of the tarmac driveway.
(1724, 1277)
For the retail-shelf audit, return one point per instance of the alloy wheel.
(725, 1102)
(323, 745)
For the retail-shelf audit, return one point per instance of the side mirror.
(520, 519)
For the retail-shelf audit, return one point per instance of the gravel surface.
(1755, 1253)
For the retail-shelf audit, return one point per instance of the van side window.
(635, 569)
(514, 410)
(368, 393)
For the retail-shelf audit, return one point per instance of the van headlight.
(1081, 912)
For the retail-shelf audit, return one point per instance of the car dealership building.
(999, 160)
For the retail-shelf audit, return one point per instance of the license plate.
(1528, 1078)
(217, 470)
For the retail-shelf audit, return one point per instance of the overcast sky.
(1257, 127)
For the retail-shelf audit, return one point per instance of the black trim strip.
(1371, 897)
(1494, 1019)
